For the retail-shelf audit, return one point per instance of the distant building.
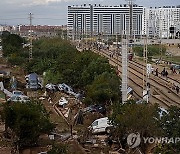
(163, 21)
(39, 30)
(109, 20)
(6, 28)
(90, 20)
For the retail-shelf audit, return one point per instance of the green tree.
(12, 43)
(104, 89)
(138, 50)
(132, 118)
(27, 121)
(153, 50)
(170, 123)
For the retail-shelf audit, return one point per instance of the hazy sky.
(54, 12)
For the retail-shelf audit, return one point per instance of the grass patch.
(174, 59)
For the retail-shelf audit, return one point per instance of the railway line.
(139, 88)
(162, 83)
(137, 80)
(169, 79)
(161, 91)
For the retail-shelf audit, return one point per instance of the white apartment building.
(6, 28)
(107, 20)
(89, 20)
(162, 21)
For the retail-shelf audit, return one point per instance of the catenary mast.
(125, 49)
(30, 36)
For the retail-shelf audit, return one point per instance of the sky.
(54, 12)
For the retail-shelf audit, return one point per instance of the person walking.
(177, 89)
(174, 71)
(156, 73)
(166, 74)
(173, 86)
(163, 72)
(152, 70)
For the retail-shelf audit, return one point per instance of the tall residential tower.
(93, 20)
(106, 20)
(163, 21)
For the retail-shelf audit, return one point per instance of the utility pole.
(130, 2)
(160, 44)
(125, 49)
(146, 72)
(30, 36)
(124, 69)
(116, 53)
(86, 39)
(116, 43)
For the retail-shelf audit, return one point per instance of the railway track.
(156, 81)
(160, 92)
(139, 88)
(169, 79)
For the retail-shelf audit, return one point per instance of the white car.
(67, 89)
(63, 101)
(16, 92)
(18, 98)
(64, 87)
(50, 87)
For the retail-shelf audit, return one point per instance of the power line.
(34, 18)
(12, 18)
(52, 18)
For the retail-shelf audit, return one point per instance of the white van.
(101, 125)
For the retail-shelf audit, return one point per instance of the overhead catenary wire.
(34, 18)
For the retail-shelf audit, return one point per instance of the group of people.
(164, 73)
(173, 70)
